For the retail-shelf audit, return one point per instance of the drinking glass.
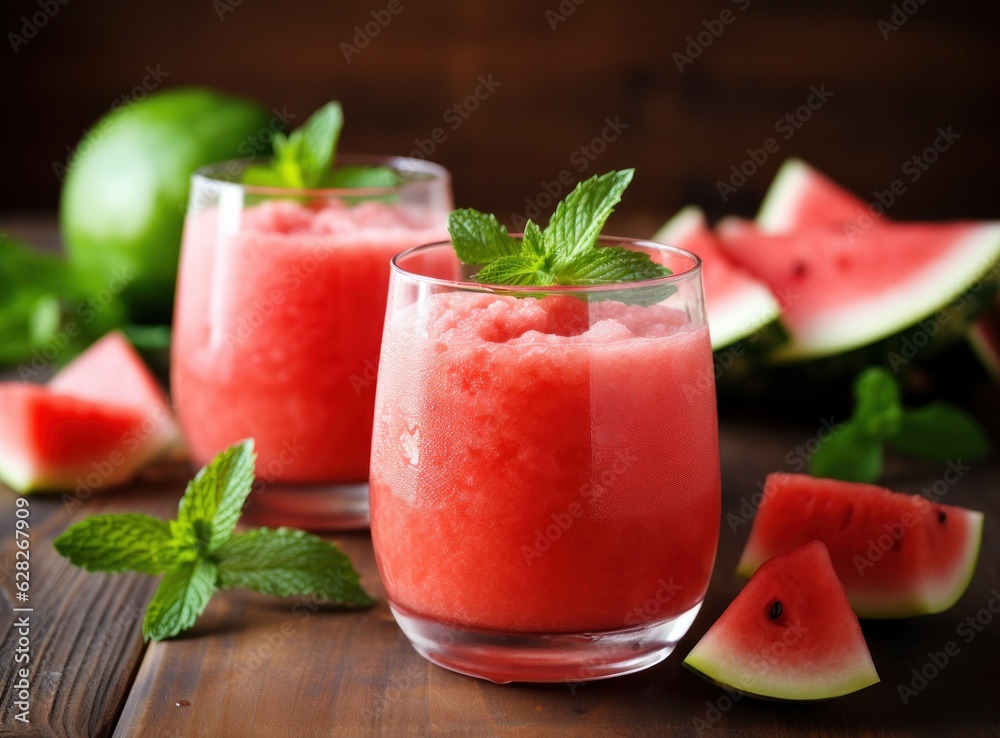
(278, 319)
(545, 483)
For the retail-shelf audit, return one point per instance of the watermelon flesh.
(738, 305)
(801, 197)
(898, 555)
(96, 423)
(841, 292)
(984, 337)
(790, 634)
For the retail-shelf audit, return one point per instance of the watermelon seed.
(775, 610)
(942, 516)
(799, 269)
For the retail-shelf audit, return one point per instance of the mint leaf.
(287, 562)
(115, 543)
(320, 134)
(478, 238)
(878, 404)
(521, 269)
(197, 552)
(850, 454)
(941, 432)
(213, 500)
(182, 596)
(578, 220)
(534, 241)
(357, 178)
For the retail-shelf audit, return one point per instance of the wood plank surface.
(260, 666)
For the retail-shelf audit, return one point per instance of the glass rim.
(470, 286)
(216, 173)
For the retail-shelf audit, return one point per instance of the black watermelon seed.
(942, 516)
(775, 610)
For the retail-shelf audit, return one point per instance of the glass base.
(315, 507)
(540, 657)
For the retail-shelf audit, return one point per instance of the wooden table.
(255, 665)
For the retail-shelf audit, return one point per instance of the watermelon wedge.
(845, 291)
(100, 420)
(801, 197)
(898, 555)
(54, 441)
(789, 634)
(739, 306)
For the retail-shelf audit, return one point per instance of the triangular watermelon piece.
(738, 305)
(842, 291)
(790, 634)
(984, 337)
(898, 555)
(98, 421)
(59, 442)
(801, 197)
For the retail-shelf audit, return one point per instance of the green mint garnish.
(938, 431)
(565, 253)
(199, 553)
(304, 159)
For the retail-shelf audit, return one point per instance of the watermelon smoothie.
(280, 304)
(545, 496)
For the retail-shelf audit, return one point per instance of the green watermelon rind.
(883, 326)
(704, 662)
(756, 301)
(984, 346)
(17, 479)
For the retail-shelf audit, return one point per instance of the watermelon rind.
(744, 313)
(982, 339)
(973, 261)
(716, 664)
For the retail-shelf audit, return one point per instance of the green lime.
(126, 190)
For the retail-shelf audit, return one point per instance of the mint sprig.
(566, 252)
(198, 552)
(938, 431)
(304, 159)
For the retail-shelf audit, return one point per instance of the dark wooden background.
(607, 59)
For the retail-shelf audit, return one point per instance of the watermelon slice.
(800, 197)
(844, 291)
(789, 635)
(738, 305)
(98, 421)
(54, 441)
(898, 555)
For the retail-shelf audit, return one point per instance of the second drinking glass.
(280, 303)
